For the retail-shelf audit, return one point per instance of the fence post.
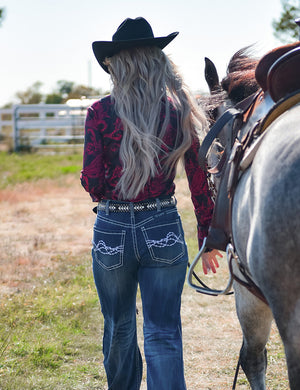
(15, 128)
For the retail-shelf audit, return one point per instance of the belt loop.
(175, 201)
(107, 207)
(158, 204)
(131, 206)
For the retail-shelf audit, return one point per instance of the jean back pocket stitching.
(110, 251)
(170, 240)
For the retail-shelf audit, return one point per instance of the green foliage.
(65, 87)
(32, 95)
(1, 15)
(54, 98)
(64, 91)
(18, 168)
(79, 91)
(285, 27)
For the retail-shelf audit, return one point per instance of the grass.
(22, 167)
(50, 336)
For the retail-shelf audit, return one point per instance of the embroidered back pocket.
(108, 248)
(165, 242)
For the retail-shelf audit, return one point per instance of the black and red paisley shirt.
(102, 167)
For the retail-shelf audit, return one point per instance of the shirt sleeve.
(92, 174)
(200, 193)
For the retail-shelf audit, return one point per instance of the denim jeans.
(144, 248)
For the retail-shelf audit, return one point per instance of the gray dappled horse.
(266, 220)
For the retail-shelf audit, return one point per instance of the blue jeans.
(144, 248)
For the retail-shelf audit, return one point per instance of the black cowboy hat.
(131, 33)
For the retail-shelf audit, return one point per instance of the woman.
(133, 141)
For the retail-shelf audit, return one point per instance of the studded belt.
(125, 207)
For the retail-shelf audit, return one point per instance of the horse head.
(238, 84)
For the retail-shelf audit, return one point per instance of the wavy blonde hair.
(143, 79)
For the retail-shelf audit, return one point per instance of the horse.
(265, 219)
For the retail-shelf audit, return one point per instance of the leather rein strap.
(213, 134)
(216, 129)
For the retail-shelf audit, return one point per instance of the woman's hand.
(210, 261)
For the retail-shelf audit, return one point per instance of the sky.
(50, 40)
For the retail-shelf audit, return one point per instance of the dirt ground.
(41, 222)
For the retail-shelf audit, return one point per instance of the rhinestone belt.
(125, 207)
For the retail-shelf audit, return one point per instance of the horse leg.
(255, 318)
(291, 341)
(278, 274)
(285, 304)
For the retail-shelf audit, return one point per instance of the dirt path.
(39, 224)
(42, 222)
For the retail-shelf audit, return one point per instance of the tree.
(32, 95)
(54, 98)
(285, 28)
(1, 15)
(65, 87)
(64, 91)
(79, 91)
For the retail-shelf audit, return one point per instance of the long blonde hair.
(143, 79)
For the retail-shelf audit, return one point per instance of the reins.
(205, 289)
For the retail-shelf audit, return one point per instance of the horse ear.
(211, 76)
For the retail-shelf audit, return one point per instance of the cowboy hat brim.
(103, 49)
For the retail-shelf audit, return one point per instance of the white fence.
(43, 126)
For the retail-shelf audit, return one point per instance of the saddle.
(279, 66)
(278, 74)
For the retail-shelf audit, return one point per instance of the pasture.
(50, 323)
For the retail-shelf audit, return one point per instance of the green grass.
(19, 168)
(50, 336)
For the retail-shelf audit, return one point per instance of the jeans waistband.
(126, 207)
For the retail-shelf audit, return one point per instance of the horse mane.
(240, 81)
